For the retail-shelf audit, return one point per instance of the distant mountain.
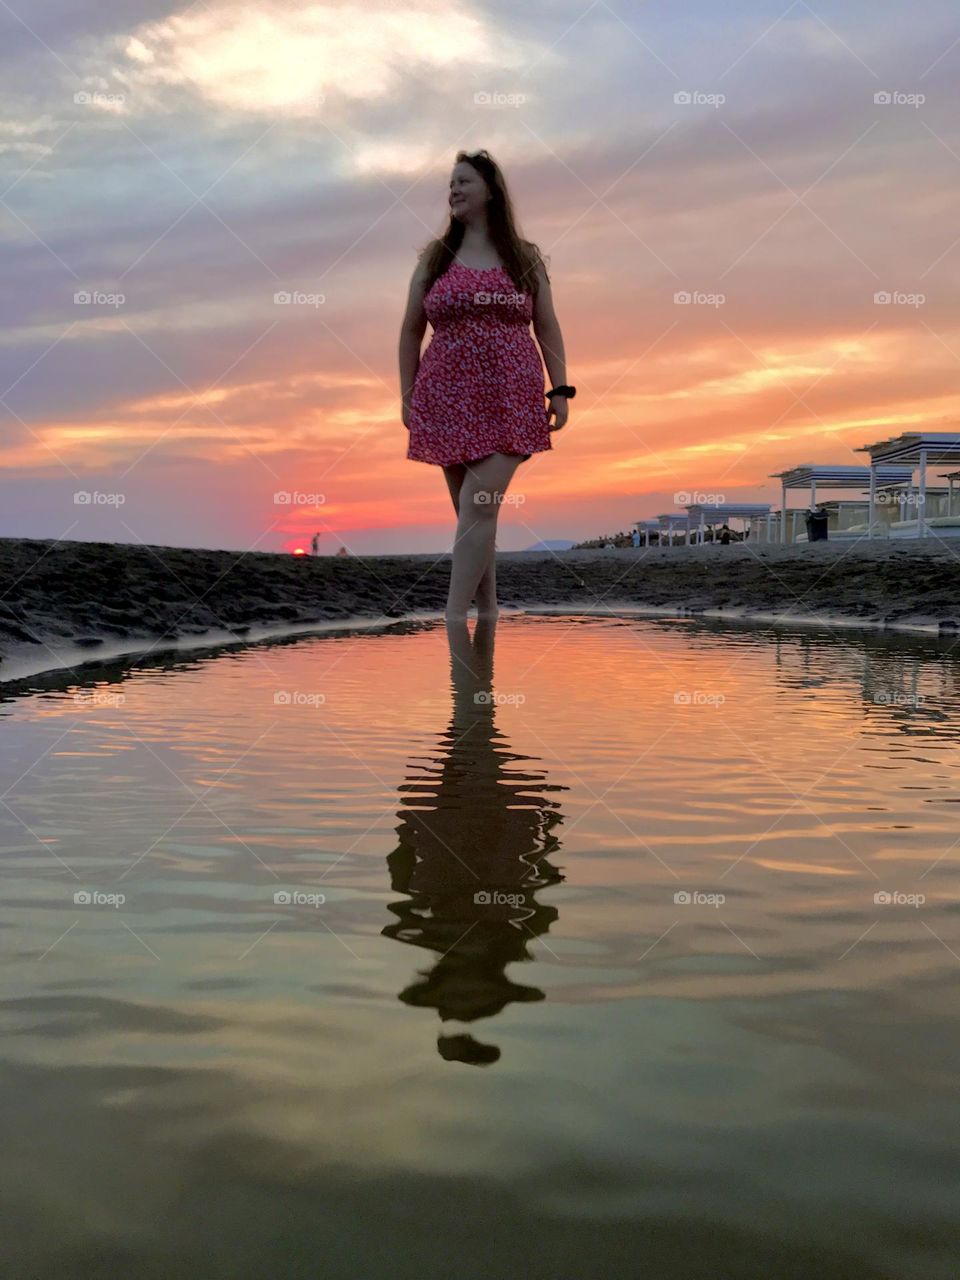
(552, 544)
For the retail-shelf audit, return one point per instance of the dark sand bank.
(61, 602)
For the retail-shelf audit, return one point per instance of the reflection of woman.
(474, 836)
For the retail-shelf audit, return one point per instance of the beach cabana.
(768, 529)
(845, 519)
(673, 522)
(807, 475)
(951, 477)
(897, 500)
(917, 450)
(645, 528)
(702, 514)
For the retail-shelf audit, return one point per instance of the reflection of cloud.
(269, 58)
(803, 868)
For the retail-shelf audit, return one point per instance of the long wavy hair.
(520, 257)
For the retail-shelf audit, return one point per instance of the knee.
(482, 504)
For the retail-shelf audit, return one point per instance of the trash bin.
(816, 525)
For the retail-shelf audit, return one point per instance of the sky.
(167, 169)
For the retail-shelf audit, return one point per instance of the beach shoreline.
(64, 604)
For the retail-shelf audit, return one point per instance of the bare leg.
(486, 593)
(486, 596)
(480, 498)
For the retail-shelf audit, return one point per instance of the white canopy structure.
(903, 497)
(671, 522)
(807, 475)
(700, 514)
(646, 527)
(916, 449)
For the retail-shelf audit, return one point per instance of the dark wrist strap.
(562, 390)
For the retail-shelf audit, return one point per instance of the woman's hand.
(557, 411)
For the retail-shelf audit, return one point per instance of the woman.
(474, 403)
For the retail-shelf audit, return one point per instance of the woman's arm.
(412, 329)
(547, 328)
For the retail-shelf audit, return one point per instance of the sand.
(64, 602)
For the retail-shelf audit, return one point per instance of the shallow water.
(603, 981)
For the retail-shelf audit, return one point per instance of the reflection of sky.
(230, 152)
(797, 775)
(202, 1045)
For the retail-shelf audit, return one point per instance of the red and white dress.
(479, 388)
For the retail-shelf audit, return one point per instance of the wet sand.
(64, 600)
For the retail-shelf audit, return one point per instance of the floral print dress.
(479, 388)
